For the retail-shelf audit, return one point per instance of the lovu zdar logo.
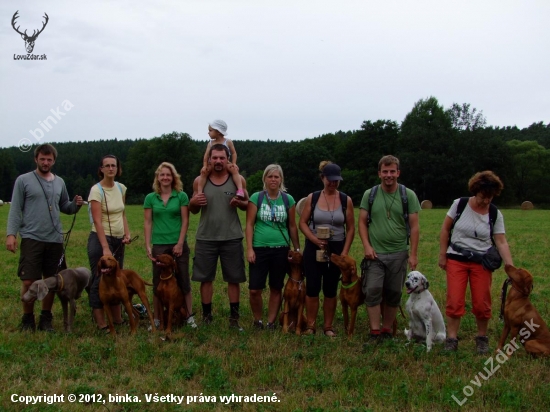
(29, 40)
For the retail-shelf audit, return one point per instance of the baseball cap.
(332, 172)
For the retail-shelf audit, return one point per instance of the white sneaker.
(157, 325)
(191, 322)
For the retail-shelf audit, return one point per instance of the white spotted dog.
(425, 319)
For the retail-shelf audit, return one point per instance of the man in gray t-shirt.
(219, 235)
(37, 200)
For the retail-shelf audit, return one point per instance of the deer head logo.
(29, 40)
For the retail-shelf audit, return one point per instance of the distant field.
(308, 373)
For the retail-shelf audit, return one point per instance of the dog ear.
(41, 289)
(526, 281)
(427, 285)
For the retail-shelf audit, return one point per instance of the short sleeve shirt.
(387, 231)
(270, 229)
(166, 217)
(112, 200)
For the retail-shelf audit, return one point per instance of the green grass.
(308, 373)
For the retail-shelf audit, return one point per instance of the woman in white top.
(110, 231)
(459, 254)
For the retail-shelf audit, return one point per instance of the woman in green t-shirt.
(270, 226)
(166, 222)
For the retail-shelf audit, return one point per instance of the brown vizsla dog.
(292, 317)
(521, 317)
(351, 292)
(119, 286)
(169, 294)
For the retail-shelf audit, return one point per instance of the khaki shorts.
(39, 259)
(231, 254)
(385, 278)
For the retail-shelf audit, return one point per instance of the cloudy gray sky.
(280, 70)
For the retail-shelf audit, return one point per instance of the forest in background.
(439, 150)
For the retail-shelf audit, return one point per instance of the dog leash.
(503, 291)
(66, 235)
(136, 237)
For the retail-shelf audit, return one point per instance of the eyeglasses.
(109, 167)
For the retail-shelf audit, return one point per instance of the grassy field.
(308, 373)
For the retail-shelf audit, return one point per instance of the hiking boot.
(45, 322)
(385, 337)
(270, 326)
(234, 324)
(258, 324)
(374, 339)
(451, 344)
(27, 323)
(482, 345)
(191, 322)
(207, 319)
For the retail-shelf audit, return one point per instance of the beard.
(44, 168)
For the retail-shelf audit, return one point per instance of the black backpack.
(315, 198)
(404, 203)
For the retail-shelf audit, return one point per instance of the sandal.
(310, 330)
(329, 331)
(240, 194)
(105, 329)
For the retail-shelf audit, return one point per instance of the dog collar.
(161, 278)
(299, 282)
(60, 288)
(352, 284)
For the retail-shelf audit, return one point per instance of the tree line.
(439, 149)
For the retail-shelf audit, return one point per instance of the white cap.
(220, 126)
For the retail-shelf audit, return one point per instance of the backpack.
(261, 196)
(493, 214)
(315, 198)
(102, 195)
(404, 202)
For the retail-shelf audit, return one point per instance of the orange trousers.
(458, 275)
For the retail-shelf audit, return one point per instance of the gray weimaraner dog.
(68, 284)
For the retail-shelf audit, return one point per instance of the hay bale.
(300, 205)
(426, 204)
(527, 205)
(1, 203)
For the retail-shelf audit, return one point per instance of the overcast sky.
(280, 70)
